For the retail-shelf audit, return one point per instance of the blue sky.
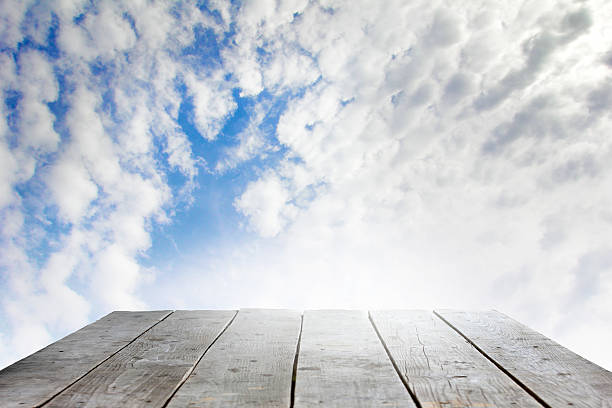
(305, 154)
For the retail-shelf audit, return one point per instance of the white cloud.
(72, 188)
(178, 149)
(254, 24)
(11, 18)
(265, 203)
(212, 103)
(8, 164)
(119, 274)
(290, 69)
(445, 29)
(39, 87)
(8, 170)
(252, 141)
(537, 50)
(103, 34)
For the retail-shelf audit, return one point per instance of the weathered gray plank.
(147, 372)
(342, 363)
(250, 365)
(558, 376)
(441, 368)
(36, 378)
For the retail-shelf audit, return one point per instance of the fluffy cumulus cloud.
(412, 154)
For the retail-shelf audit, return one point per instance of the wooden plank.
(441, 368)
(149, 370)
(250, 365)
(38, 377)
(558, 376)
(342, 363)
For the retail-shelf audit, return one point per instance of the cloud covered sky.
(306, 154)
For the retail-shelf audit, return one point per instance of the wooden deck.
(285, 358)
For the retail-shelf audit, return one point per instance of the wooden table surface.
(322, 358)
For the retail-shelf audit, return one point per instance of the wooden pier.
(323, 358)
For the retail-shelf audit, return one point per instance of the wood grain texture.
(147, 372)
(249, 366)
(558, 376)
(33, 380)
(342, 363)
(441, 368)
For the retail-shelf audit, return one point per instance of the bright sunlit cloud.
(306, 154)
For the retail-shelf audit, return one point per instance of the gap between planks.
(48, 400)
(250, 365)
(188, 373)
(397, 370)
(295, 363)
(499, 366)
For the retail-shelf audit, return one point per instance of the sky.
(306, 154)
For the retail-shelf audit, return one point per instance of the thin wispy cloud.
(305, 154)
